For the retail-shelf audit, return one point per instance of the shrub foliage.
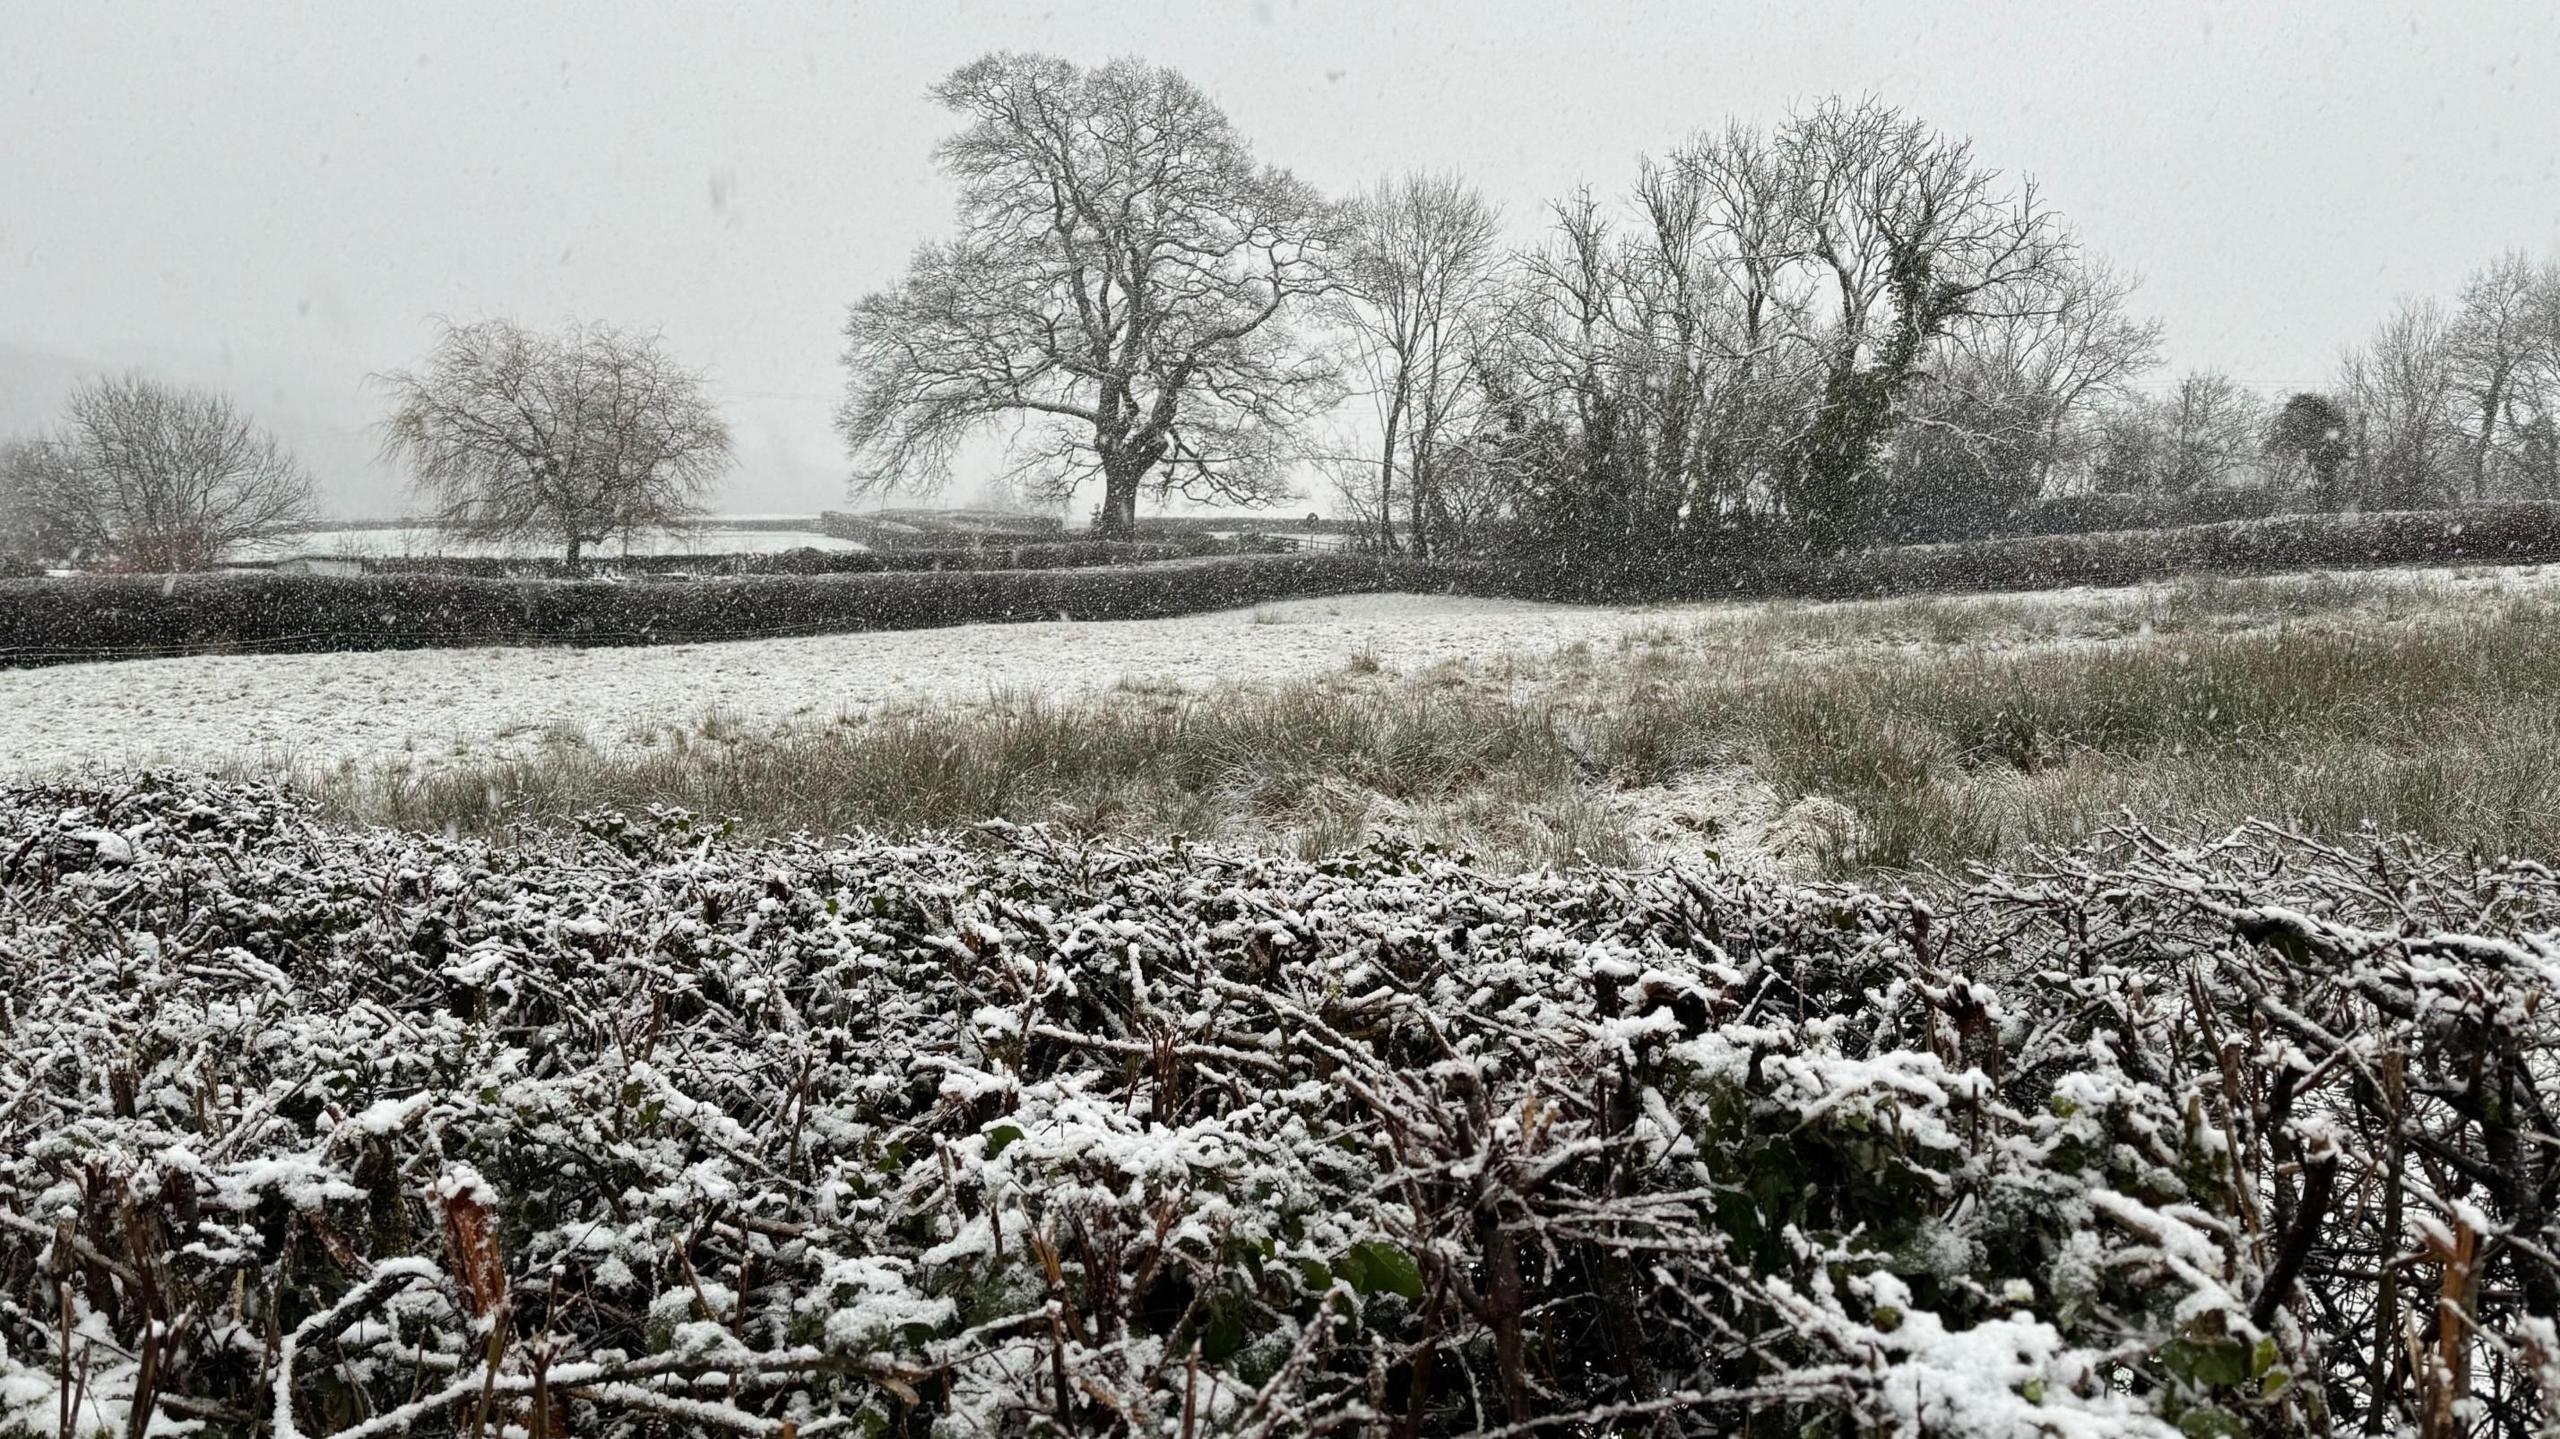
(638, 1130)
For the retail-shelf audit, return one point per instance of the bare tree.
(575, 437)
(1420, 274)
(2502, 348)
(1768, 313)
(1758, 398)
(1910, 237)
(2215, 429)
(1638, 364)
(2404, 398)
(1570, 384)
(2198, 436)
(2077, 344)
(1120, 290)
(31, 527)
(2010, 394)
(152, 477)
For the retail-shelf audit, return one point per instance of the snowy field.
(428, 706)
(427, 540)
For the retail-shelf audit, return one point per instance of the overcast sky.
(277, 198)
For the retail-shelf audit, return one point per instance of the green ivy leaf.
(1353, 1269)
(2211, 1362)
(1387, 1268)
(1224, 1336)
(2212, 1424)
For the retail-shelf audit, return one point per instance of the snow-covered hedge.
(2488, 534)
(1033, 555)
(103, 617)
(48, 621)
(1764, 562)
(359, 1133)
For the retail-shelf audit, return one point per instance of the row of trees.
(1846, 324)
(573, 437)
(1846, 321)
(2440, 405)
(2445, 404)
(1831, 320)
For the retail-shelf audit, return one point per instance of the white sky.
(275, 197)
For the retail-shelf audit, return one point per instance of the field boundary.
(2485, 534)
(139, 617)
(56, 621)
(1031, 555)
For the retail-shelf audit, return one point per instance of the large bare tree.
(152, 477)
(1420, 277)
(1118, 298)
(1634, 372)
(1910, 237)
(1756, 403)
(573, 437)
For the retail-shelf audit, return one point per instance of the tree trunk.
(1418, 489)
(2488, 435)
(1119, 518)
(1837, 457)
(576, 543)
(1842, 499)
(2363, 464)
(1387, 481)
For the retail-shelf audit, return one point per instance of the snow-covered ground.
(428, 706)
(427, 540)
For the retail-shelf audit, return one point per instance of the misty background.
(276, 199)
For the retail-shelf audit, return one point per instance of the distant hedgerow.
(54, 621)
